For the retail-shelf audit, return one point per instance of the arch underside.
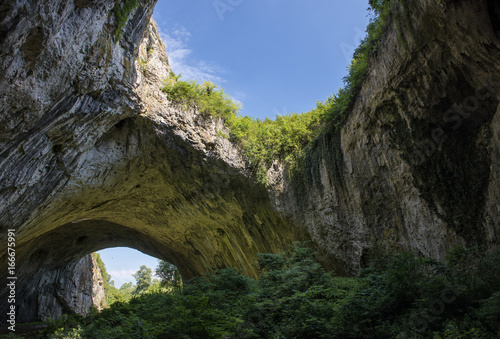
(150, 191)
(94, 156)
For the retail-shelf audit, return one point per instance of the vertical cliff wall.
(416, 166)
(75, 289)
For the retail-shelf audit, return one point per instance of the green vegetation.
(282, 139)
(144, 279)
(169, 275)
(170, 280)
(113, 294)
(288, 138)
(207, 97)
(142, 63)
(261, 140)
(122, 14)
(396, 296)
(108, 283)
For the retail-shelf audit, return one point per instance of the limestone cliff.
(74, 289)
(92, 155)
(416, 166)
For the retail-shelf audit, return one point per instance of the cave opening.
(58, 273)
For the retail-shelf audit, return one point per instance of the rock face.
(416, 166)
(74, 289)
(92, 154)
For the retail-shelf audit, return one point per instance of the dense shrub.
(397, 296)
(207, 97)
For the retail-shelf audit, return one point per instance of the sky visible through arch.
(273, 56)
(122, 262)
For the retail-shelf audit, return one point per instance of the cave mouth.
(51, 265)
(118, 275)
(69, 243)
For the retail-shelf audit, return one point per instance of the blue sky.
(122, 262)
(273, 56)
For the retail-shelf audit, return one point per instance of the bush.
(398, 296)
(207, 97)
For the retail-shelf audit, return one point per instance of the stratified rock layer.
(416, 166)
(92, 154)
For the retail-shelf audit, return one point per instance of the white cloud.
(181, 61)
(180, 55)
(122, 276)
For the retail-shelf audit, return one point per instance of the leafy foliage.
(266, 140)
(122, 13)
(169, 275)
(143, 278)
(396, 296)
(207, 97)
(113, 294)
(261, 140)
(104, 272)
(287, 137)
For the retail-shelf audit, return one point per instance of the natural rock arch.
(154, 193)
(87, 138)
(50, 262)
(93, 156)
(161, 191)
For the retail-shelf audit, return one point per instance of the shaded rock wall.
(92, 155)
(74, 289)
(416, 165)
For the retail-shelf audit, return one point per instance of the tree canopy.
(169, 275)
(143, 279)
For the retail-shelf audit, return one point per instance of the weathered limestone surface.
(77, 288)
(416, 166)
(92, 155)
